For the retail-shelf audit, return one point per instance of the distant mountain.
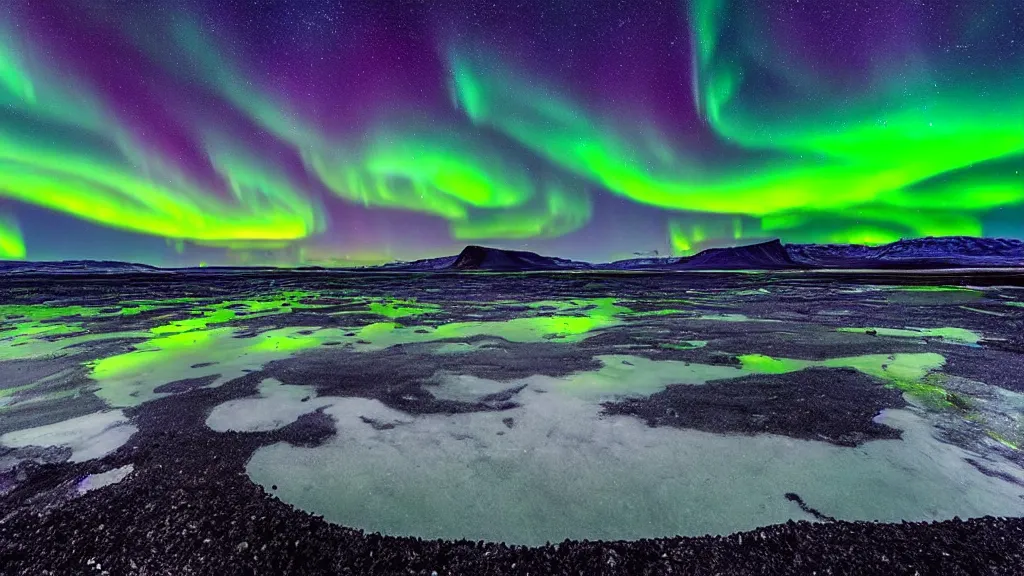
(75, 267)
(765, 256)
(917, 253)
(425, 265)
(481, 258)
(488, 259)
(660, 263)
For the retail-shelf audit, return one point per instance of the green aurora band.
(12, 246)
(459, 177)
(454, 173)
(871, 171)
(896, 159)
(61, 150)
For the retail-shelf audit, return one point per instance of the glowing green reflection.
(959, 335)
(908, 372)
(399, 308)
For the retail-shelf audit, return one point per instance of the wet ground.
(273, 422)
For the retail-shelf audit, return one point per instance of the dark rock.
(765, 256)
(186, 385)
(793, 497)
(836, 405)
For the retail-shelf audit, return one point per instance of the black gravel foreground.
(189, 508)
(227, 527)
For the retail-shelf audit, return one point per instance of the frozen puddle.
(558, 469)
(90, 436)
(97, 481)
(277, 406)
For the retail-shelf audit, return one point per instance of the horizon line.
(14, 263)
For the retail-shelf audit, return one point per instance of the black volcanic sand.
(400, 371)
(190, 508)
(834, 405)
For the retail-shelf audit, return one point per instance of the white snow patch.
(564, 470)
(276, 406)
(90, 436)
(97, 481)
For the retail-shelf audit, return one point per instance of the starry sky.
(352, 132)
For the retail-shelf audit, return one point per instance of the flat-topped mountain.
(770, 255)
(915, 254)
(489, 259)
(482, 258)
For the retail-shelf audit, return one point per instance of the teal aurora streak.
(858, 122)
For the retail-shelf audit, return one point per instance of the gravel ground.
(835, 406)
(225, 525)
(189, 508)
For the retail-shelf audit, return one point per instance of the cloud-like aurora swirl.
(867, 171)
(60, 149)
(773, 147)
(443, 169)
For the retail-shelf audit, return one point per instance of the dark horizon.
(928, 252)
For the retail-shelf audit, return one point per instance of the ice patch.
(90, 436)
(277, 406)
(466, 388)
(949, 334)
(132, 378)
(97, 481)
(730, 317)
(622, 375)
(564, 470)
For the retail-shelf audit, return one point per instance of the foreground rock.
(189, 508)
(228, 526)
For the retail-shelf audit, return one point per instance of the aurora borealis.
(339, 133)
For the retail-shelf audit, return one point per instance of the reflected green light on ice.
(24, 332)
(29, 324)
(884, 366)
(229, 310)
(622, 375)
(399, 308)
(906, 372)
(959, 335)
(20, 349)
(216, 316)
(34, 330)
(129, 379)
(40, 312)
(932, 289)
(687, 345)
(1002, 440)
(210, 335)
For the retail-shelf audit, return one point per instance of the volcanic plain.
(325, 422)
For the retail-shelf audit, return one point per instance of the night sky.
(341, 132)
